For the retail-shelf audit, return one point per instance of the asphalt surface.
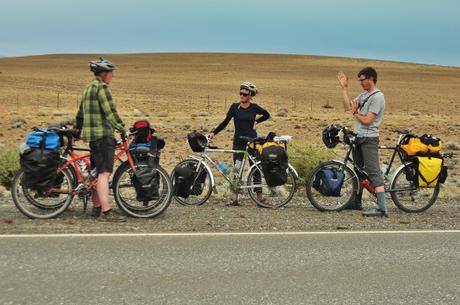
(344, 268)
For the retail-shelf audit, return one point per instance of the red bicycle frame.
(74, 158)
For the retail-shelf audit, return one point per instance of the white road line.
(224, 234)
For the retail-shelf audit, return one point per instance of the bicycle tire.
(36, 203)
(207, 190)
(327, 203)
(48, 210)
(270, 192)
(411, 200)
(134, 208)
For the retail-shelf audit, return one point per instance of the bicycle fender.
(397, 171)
(211, 175)
(250, 168)
(353, 171)
(293, 170)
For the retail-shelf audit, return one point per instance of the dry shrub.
(305, 157)
(9, 165)
(162, 114)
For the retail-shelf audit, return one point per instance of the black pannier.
(40, 166)
(183, 180)
(199, 181)
(146, 181)
(274, 161)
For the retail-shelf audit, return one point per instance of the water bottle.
(237, 166)
(93, 173)
(83, 170)
(223, 167)
(384, 168)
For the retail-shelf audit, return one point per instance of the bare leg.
(102, 190)
(95, 198)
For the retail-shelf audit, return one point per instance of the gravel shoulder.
(213, 216)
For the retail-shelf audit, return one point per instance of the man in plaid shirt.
(97, 119)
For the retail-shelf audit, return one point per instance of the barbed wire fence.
(53, 102)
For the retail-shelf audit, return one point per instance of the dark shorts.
(103, 154)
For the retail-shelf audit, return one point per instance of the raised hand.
(343, 79)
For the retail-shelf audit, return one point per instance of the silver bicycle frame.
(204, 159)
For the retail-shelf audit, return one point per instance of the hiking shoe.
(354, 205)
(375, 213)
(96, 212)
(265, 201)
(232, 203)
(112, 215)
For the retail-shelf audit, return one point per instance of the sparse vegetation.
(179, 85)
(305, 157)
(9, 165)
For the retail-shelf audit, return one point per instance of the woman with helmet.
(244, 114)
(97, 119)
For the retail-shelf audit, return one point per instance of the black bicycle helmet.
(197, 141)
(331, 135)
(101, 65)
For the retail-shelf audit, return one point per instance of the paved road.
(349, 268)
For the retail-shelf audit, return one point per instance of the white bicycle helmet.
(250, 87)
(101, 65)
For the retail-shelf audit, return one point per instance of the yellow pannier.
(414, 146)
(260, 148)
(429, 169)
(426, 144)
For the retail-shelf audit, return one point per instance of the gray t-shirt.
(375, 104)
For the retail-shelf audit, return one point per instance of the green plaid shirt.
(97, 116)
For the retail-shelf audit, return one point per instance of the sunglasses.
(361, 79)
(244, 94)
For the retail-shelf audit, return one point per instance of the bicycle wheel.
(273, 197)
(407, 195)
(30, 195)
(330, 203)
(125, 192)
(200, 191)
(42, 204)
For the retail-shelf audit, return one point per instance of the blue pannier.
(44, 139)
(329, 182)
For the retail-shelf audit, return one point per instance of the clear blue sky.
(424, 31)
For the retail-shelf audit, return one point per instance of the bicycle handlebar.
(261, 140)
(256, 140)
(348, 132)
(402, 131)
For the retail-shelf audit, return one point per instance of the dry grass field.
(182, 92)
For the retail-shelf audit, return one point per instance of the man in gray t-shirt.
(367, 110)
(370, 102)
